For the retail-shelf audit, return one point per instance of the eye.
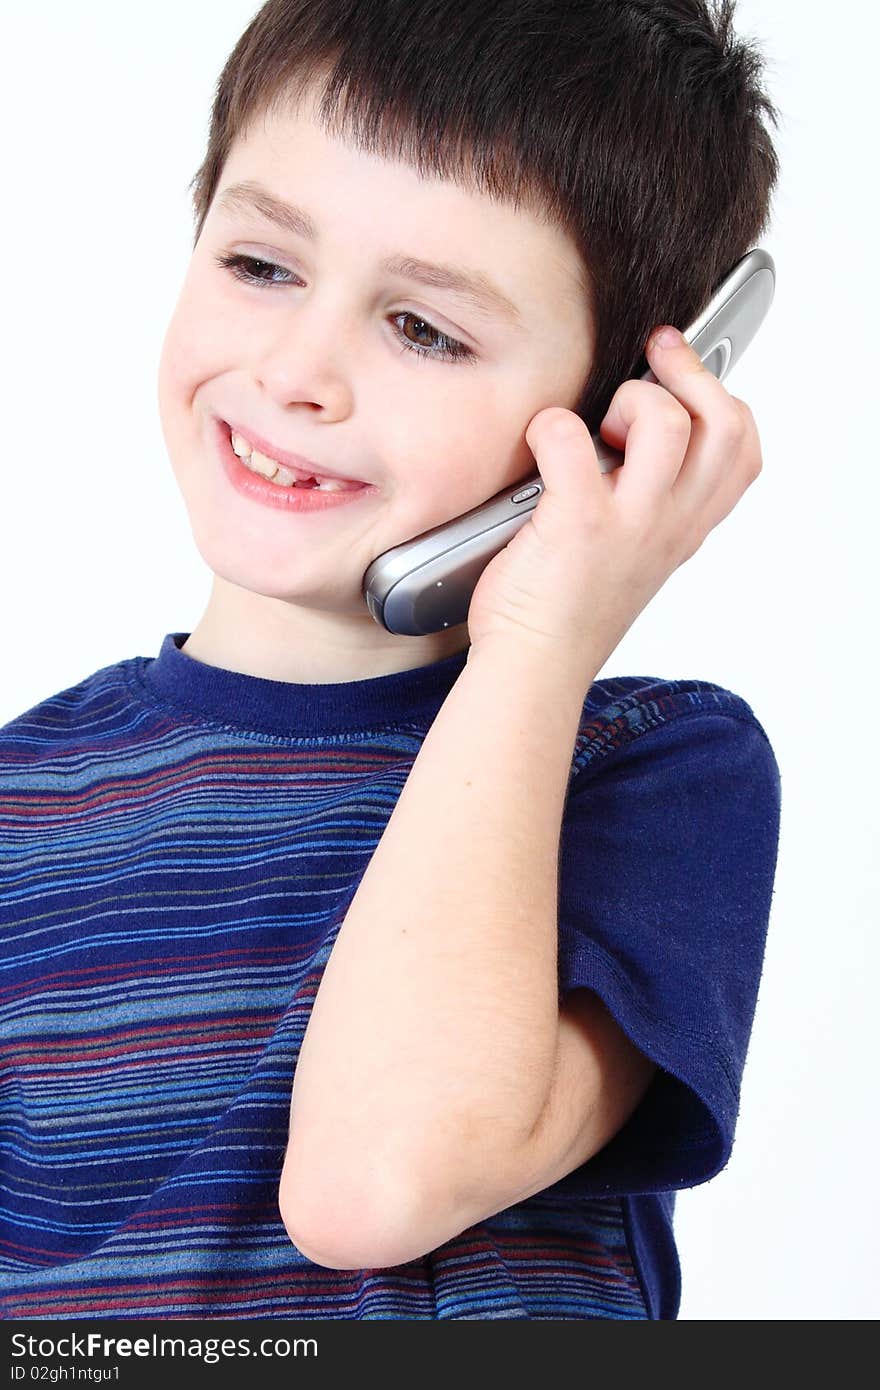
(248, 268)
(237, 265)
(451, 349)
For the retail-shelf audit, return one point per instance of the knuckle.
(674, 421)
(667, 410)
(692, 547)
(628, 388)
(693, 536)
(743, 408)
(732, 427)
(748, 439)
(678, 413)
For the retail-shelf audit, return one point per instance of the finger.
(723, 457)
(722, 467)
(716, 423)
(654, 431)
(564, 451)
(715, 413)
(719, 463)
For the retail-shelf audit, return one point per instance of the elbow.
(318, 1247)
(339, 1224)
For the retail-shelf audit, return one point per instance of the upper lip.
(303, 468)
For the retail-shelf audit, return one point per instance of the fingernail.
(668, 337)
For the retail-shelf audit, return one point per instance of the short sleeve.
(667, 861)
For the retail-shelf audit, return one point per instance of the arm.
(434, 1074)
(431, 1050)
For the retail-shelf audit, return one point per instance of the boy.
(353, 975)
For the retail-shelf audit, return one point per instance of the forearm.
(430, 1048)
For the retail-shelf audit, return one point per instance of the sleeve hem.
(652, 1035)
(681, 1133)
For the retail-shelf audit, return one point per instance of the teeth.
(276, 473)
(261, 464)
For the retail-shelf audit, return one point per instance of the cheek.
(196, 338)
(459, 438)
(180, 364)
(186, 362)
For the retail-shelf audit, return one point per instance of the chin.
(250, 565)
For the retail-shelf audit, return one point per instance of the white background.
(104, 116)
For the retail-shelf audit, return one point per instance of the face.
(326, 354)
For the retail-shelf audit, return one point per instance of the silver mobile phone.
(425, 584)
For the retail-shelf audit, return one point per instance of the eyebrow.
(471, 286)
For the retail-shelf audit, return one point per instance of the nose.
(307, 358)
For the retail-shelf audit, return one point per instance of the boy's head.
(600, 164)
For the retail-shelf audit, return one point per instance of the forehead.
(335, 188)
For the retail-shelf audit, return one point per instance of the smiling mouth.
(275, 472)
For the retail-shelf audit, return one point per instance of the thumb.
(563, 449)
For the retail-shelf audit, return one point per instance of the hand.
(599, 546)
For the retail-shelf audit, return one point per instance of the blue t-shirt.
(179, 845)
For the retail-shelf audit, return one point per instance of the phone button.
(526, 493)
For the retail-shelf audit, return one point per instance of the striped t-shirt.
(179, 845)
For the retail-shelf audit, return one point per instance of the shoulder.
(654, 711)
(79, 709)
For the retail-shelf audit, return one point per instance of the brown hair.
(634, 125)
